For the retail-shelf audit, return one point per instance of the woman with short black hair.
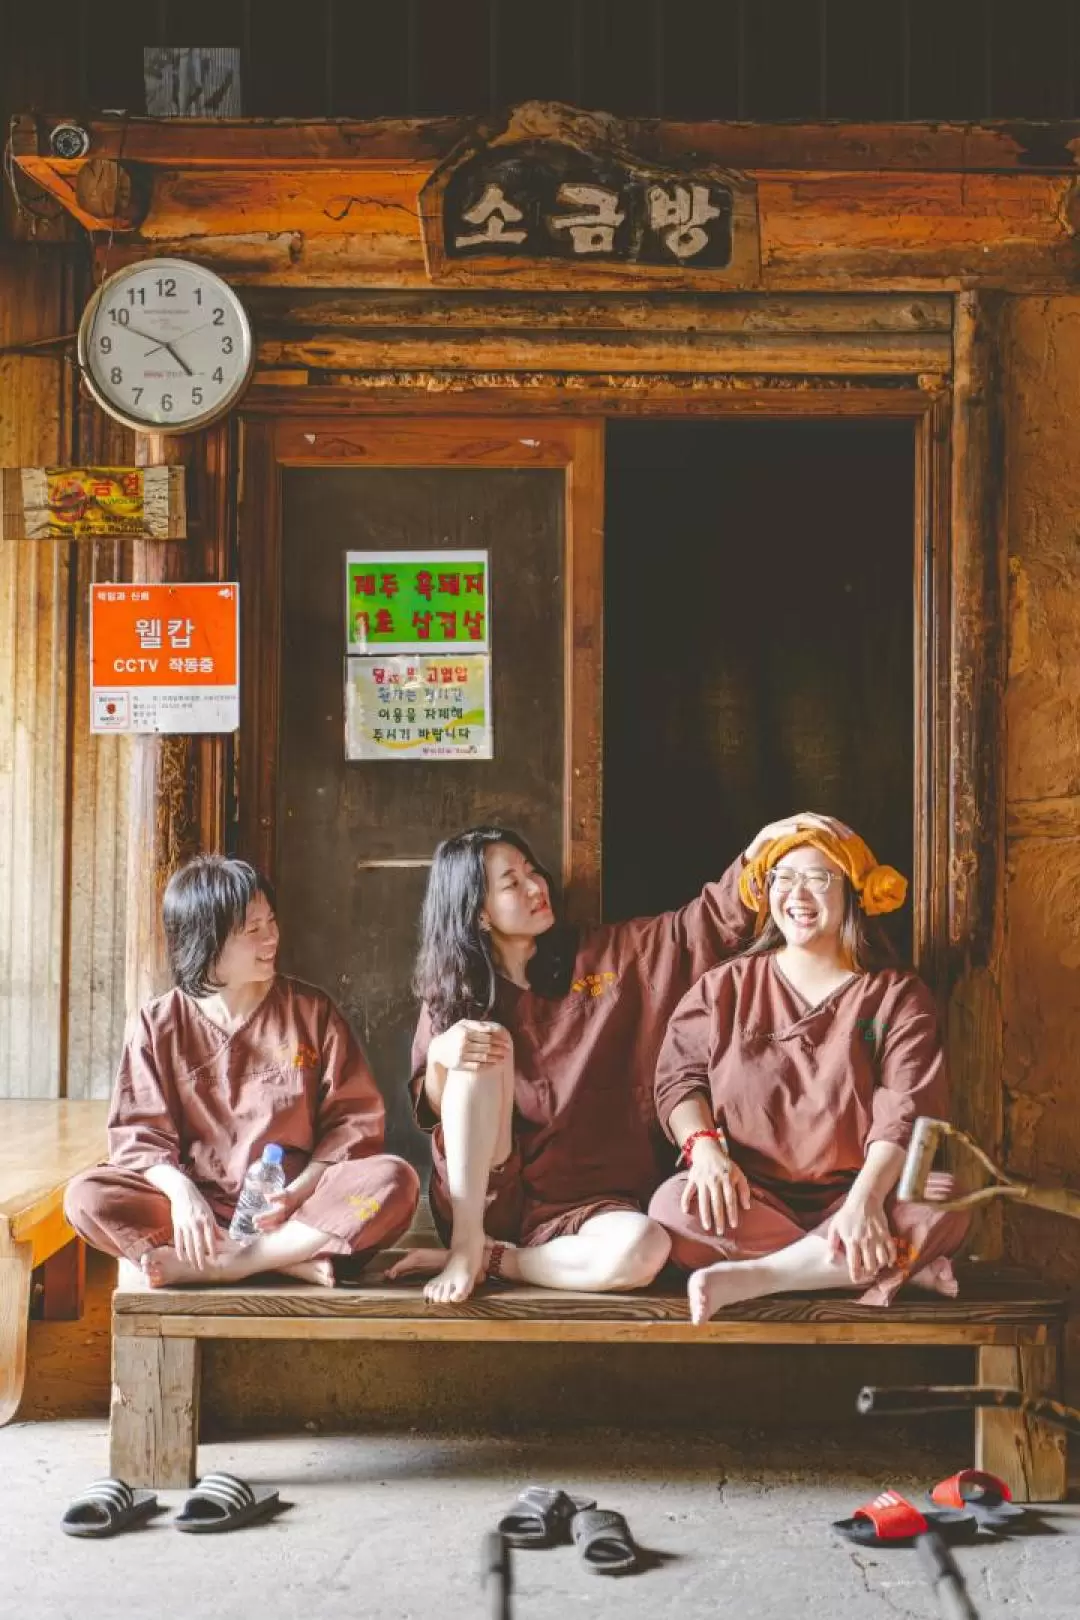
(235, 1058)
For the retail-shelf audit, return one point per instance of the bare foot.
(312, 1271)
(163, 1268)
(130, 1277)
(457, 1279)
(937, 1277)
(713, 1287)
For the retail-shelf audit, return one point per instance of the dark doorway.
(759, 653)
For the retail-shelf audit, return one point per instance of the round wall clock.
(165, 346)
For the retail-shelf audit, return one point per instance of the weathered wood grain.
(977, 685)
(991, 1302)
(154, 1417)
(837, 353)
(992, 148)
(288, 311)
(1031, 1456)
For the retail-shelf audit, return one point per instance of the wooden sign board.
(92, 503)
(544, 199)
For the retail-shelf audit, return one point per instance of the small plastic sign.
(418, 708)
(164, 658)
(416, 601)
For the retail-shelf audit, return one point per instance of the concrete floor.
(391, 1526)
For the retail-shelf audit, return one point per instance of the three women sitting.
(546, 1061)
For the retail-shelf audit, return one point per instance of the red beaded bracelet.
(696, 1136)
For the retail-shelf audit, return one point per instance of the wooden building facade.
(791, 524)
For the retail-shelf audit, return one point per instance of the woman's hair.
(205, 901)
(862, 938)
(455, 971)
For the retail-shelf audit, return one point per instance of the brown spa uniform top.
(802, 1091)
(191, 1095)
(584, 1119)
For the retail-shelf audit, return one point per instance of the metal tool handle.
(907, 1402)
(495, 1575)
(943, 1573)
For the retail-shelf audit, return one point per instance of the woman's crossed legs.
(769, 1252)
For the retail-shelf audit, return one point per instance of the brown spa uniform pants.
(361, 1204)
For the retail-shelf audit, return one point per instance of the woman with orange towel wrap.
(790, 1078)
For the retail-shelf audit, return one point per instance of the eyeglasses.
(785, 878)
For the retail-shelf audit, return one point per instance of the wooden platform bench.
(1013, 1325)
(43, 1144)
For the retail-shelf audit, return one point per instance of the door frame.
(270, 445)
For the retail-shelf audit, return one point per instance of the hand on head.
(793, 824)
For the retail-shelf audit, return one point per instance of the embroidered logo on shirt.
(871, 1033)
(594, 984)
(365, 1208)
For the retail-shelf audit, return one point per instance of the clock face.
(165, 345)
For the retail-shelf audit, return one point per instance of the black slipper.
(106, 1507)
(540, 1517)
(222, 1502)
(603, 1539)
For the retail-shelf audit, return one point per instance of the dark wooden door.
(353, 839)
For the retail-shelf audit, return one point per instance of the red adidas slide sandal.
(984, 1495)
(890, 1520)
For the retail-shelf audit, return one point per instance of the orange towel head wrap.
(879, 888)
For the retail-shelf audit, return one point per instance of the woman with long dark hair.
(533, 1066)
(790, 1079)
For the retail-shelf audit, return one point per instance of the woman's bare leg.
(292, 1248)
(618, 1249)
(804, 1264)
(477, 1107)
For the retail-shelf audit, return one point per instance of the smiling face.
(517, 904)
(807, 898)
(249, 955)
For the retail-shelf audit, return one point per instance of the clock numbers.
(165, 343)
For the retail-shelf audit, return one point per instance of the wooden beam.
(991, 148)
(838, 353)
(288, 312)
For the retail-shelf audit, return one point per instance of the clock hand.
(189, 333)
(176, 357)
(149, 336)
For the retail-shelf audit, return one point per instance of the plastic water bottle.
(265, 1177)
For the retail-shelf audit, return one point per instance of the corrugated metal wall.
(755, 59)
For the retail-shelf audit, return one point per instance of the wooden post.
(162, 820)
(977, 785)
(154, 1417)
(16, 1266)
(64, 1283)
(1029, 1456)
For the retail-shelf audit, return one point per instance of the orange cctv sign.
(164, 657)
